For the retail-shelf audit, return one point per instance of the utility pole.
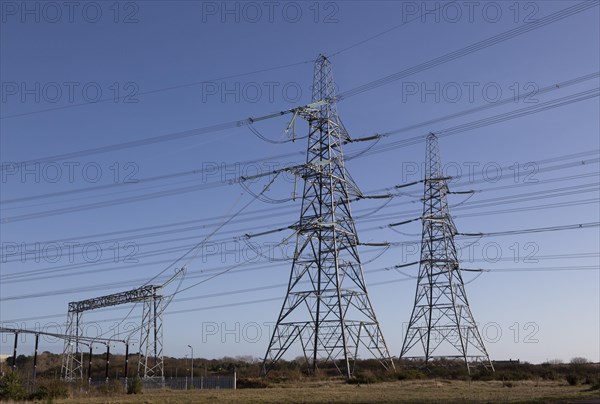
(192, 372)
(331, 318)
(441, 325)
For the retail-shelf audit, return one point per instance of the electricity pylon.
(327, 308)
(441, 325)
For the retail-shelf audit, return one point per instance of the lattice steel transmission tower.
(441, 325)
(326, 311)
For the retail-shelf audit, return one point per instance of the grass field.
(388, 392)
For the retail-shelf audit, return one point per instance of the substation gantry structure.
(150, 364)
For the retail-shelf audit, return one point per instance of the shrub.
(549, 375)
(111, 387)
(250, 383)
(516, 375)
(593, 381)
(135, 386)
(366, 377)
(572, 379)
(411, 375)
(11, 387)
(50, 389)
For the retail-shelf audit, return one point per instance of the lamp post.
(192, 367)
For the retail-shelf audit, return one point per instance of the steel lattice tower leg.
(72, 357)
(150, 364)
(327, 308)
(441, 324)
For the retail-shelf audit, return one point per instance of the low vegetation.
(289, 381)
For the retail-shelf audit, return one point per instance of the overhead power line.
(551, 193)
(285, 210)
(257, 301)
(211, 273)
(571, 190)
(196, 172)
(384, 148)
(159, 90)
(549, 19)
(486, 43)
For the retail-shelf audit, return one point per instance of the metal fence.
(226, 381)
(199, 382)
(183, 383)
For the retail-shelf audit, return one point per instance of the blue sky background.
(169, 57)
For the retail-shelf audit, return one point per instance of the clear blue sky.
(155, 55)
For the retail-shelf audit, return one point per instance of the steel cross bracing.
(131, 296)
(72, 357)
(331, 319)
(150, 363)
(441, 324)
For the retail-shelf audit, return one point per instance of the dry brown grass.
(389, 392)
